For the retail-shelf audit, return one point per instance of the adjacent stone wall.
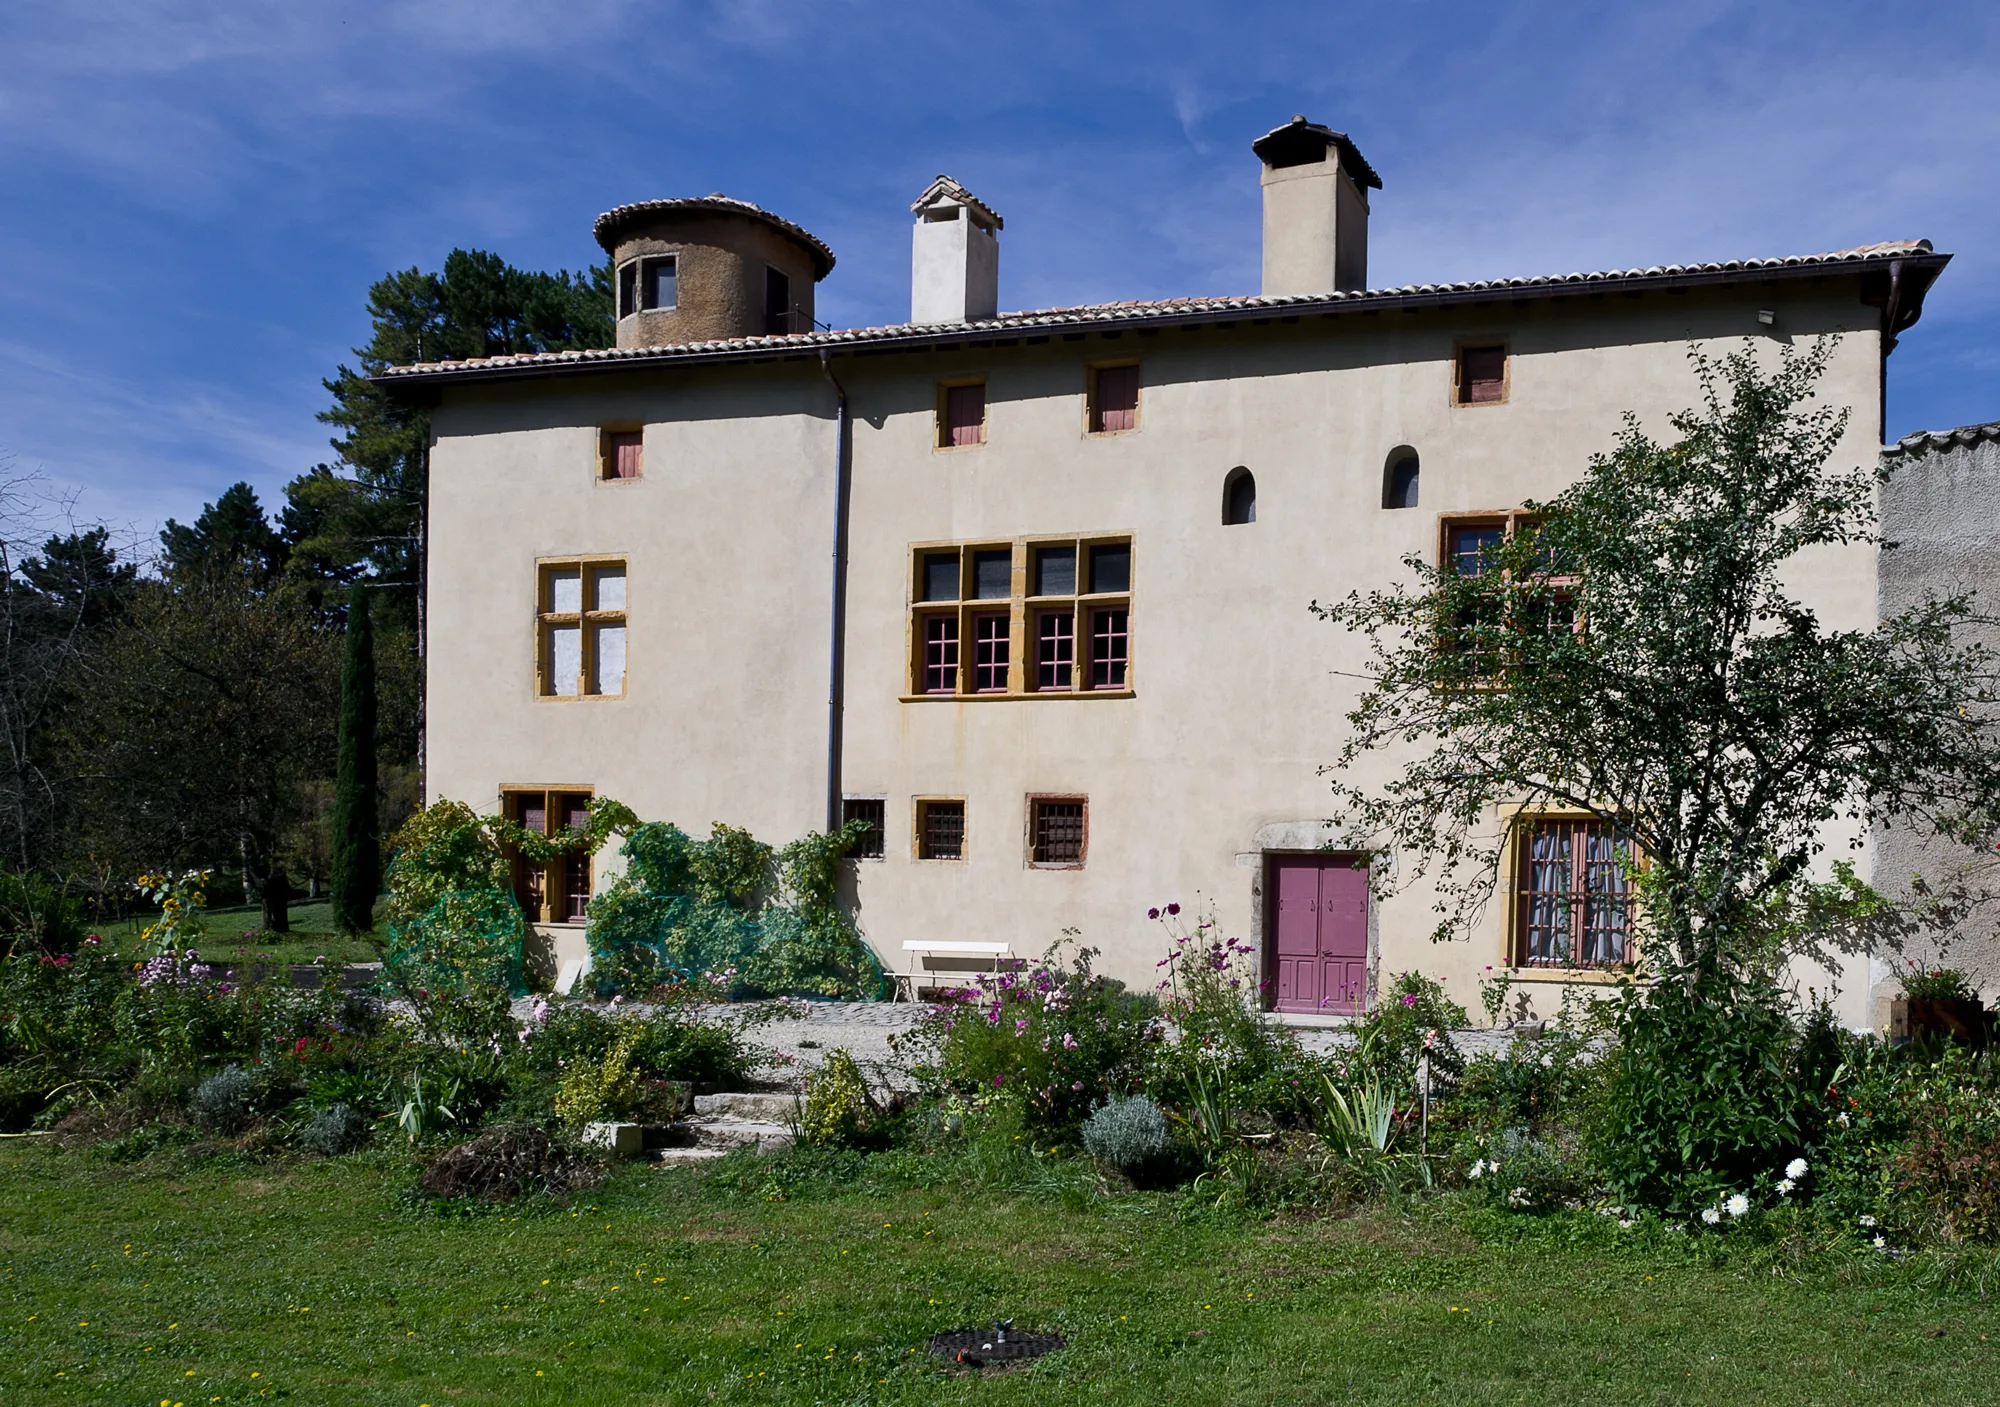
(1941, 536)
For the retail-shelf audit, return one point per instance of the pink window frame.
(1055, 651)
(990, 652)
(939, 661)
(1110, 647)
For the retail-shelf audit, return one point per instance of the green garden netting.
(469, 940)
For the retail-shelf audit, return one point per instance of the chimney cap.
(945, 191)
(1299, 142)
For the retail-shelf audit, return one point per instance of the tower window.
(659, 283)
(1399, 478)
(1239, 496)
(777, 302)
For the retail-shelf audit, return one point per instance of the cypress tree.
(356, 846)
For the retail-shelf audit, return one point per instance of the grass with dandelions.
(316, 1282)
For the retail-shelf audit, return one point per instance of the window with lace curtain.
(1573, 895)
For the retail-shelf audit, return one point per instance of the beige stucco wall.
(1239, 691)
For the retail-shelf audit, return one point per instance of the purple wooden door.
(1320, 947)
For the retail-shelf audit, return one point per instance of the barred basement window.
(940, 830)
(580, 629)
(1057, 831)
(1034, 617)
(871, 812)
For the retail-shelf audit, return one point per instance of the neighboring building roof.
(944, 188)
(1170, 312)
(612, 223)
(1924, 441)
(1290, 144)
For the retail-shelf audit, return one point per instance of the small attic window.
(1482, 375)
(942, 214)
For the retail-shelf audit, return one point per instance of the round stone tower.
(705, 267)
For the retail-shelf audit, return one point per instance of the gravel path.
(795, 1036)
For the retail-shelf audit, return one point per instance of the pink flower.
(1076, 1084)
(1069, 1041)
(1409, 1001)
(999, 1080)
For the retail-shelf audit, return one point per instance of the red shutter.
(965, 415)
(623, 451)
(1482, 375)
(1117, 405)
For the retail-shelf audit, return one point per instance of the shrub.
(38, 916)
(336, 1129)
(605, 1088)
(221, 1102)
(837, 1108)
(1414, 1017)
(509, 1162)
(1056, 1037)
(1128, 1133)
(1709, 1087)
(1947, 1174)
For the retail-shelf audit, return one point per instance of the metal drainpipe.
(843, 462)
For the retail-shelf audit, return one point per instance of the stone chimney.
(1315, 210)
(954, 256)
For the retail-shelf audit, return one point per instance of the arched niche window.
(1239, 496)
(1399, 478)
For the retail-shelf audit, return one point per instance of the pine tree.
(356, 853)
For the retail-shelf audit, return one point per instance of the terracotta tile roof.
(1924, 441)
(1171, 311)
(611, 223)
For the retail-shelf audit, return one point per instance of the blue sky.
(197, 194)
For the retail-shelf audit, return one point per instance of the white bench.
(936, 965)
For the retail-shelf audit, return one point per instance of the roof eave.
(1924, 267)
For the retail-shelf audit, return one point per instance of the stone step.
(730, 1133)
(681, 1157)
(763, 1108)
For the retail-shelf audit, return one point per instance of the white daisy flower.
(1785, 1187)
(1880, 1243)
(1711, 1215)
(1867, 1221)
(1737, 1205)
(1796, 1168)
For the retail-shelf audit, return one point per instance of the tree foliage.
(366, 513)
(1639, 654)
(356, 839)
(211, 707)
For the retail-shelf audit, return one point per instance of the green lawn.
(311, 1282)
(313, 934)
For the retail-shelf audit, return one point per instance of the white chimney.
(954, 256)
(1315, 210)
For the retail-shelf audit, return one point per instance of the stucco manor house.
(1027, 591)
